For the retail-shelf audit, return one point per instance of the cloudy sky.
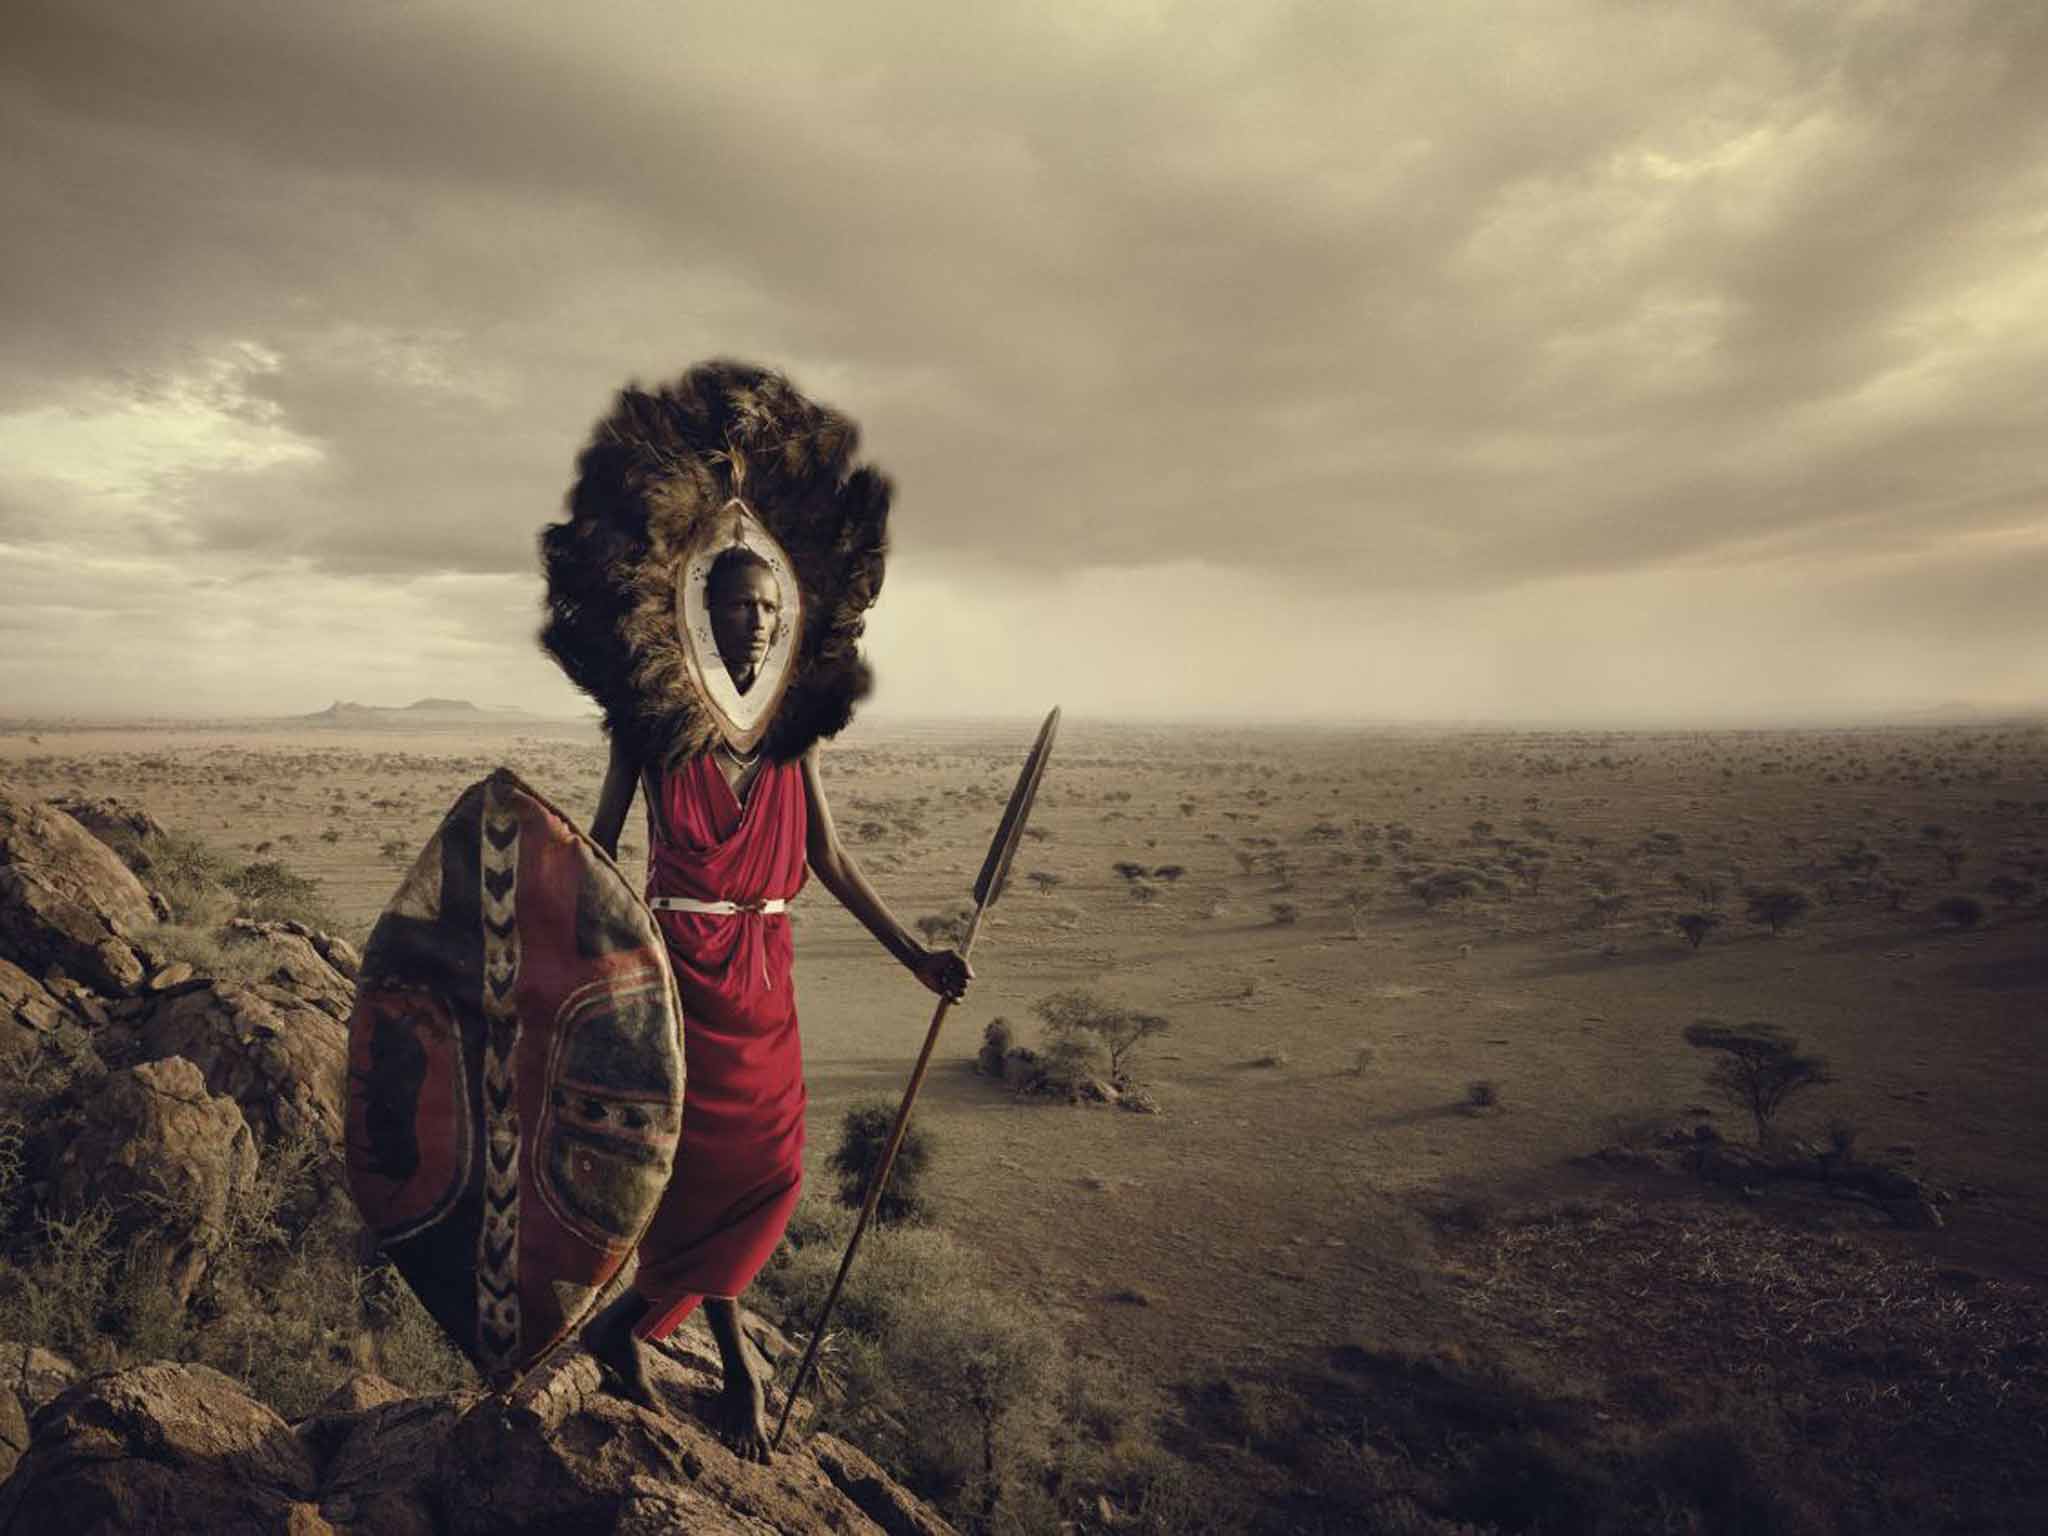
(1555, 360)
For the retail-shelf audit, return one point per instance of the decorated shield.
(515, 1075)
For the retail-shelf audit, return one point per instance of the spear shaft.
(994, 874)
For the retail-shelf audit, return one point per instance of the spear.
(988, 885)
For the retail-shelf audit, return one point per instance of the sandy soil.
(1314, 1083)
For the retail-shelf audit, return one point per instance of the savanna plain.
(1434, 1219)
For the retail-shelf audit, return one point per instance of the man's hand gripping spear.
(988, 885)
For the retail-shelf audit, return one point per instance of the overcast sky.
(1520, 361)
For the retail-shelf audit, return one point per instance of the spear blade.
(995, 869)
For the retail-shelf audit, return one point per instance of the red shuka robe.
(739, 1167)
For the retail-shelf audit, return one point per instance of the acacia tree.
(1778, 905)
(1697, 925)
(1120, 1030)
(1760, 1067)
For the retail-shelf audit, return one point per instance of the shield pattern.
(516, 1075)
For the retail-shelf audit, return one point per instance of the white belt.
(689, 904)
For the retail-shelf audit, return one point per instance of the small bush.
(1072, 1060)
(191, 877)
(1778, 905)
(1482, 1093)
(944, 928)
(269, 891)
(996, 1040)
(202, 949)
(1960, 911)
(1697, 925)
(863, 1138)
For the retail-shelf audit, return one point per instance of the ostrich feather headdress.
(726, 451)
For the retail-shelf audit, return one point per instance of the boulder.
(340, 954)
(66, 900)
(289, 955)
(282, 1059)
(161, 1447)
(561, 1454)
(122, 826)
(168, 1158)
(29, 1377)
(182, 1448)
(376, 1462)
(28, 1009)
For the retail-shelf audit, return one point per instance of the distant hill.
(419, 712)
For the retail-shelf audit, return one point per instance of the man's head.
(745, 601)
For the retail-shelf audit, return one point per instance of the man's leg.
(609, 1336)
(741, 1416)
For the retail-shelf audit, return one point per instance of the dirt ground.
(1315, 1126)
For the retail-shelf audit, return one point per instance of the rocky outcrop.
(167, 1157)
(161, 1116)
(161, 1447)
(29, 1378)
(282, 1059)
(65, 900)
(177, 1448)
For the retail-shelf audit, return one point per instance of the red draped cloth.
(740, 1165)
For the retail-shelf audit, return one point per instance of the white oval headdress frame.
(742, 718)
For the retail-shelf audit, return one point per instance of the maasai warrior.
(736, 810)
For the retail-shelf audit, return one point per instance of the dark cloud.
(1367, 298)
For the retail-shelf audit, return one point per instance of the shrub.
(202, 949)
(1778, 905)
(1960, 911)
(1443, 885)
(1608, 905)
(1760, 1067)
(2010, 889)
(953, 1385)
(863, 1138)
(271, 892)
(1482, 1093)
(949, 927)
(1697, 925)
(996, 1040)
(1072, 1060)
(190, 875)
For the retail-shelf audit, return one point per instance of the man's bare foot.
(609, 1337)
(740, 1418)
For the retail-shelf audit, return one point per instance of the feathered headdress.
(658, 473)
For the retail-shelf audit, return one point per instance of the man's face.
(744, 608)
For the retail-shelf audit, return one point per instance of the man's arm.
(621, 778)
(945, 971)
